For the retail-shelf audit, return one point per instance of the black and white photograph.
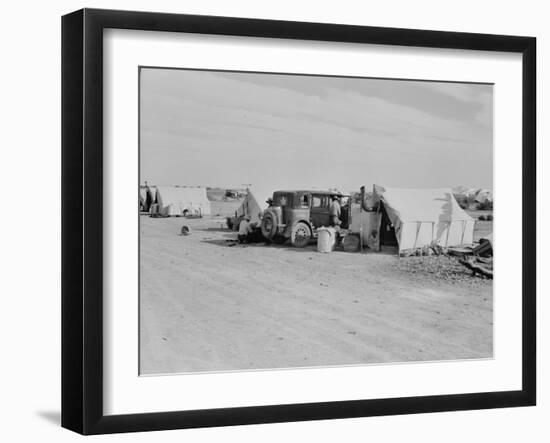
(275, 221)
(303, 221)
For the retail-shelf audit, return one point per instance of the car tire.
(300, 235)
(269, 224)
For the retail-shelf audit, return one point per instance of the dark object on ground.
(277, 239)
(484, 249)
(351, 243)
(256, 236)
(482, 218)
(489, 217)
(185, 230)
(252, 237)
(483, 267)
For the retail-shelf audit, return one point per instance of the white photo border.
(125, 392)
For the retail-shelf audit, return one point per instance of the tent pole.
(418, 225)
(361, 226)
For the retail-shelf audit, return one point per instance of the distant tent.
(143, 206)
(151, 197)
(484, 196)
(460, 190)
(471, 193)
(467, 195)
(182, 200)
(422, 217)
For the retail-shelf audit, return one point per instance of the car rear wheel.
(301, 235)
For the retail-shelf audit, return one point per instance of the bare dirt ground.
(208, 306)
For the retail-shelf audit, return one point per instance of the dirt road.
(206, 306)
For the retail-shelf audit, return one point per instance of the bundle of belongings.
(480, 260)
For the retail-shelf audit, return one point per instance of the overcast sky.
(284, 131)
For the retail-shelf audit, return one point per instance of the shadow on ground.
(231, 242)
(53, 417)
(213, 230)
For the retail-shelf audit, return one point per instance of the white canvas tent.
(425, 216)
(182, 200)
(251, 206)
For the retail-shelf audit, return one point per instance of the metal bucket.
(326, 239)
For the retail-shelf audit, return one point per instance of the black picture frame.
(82, 215)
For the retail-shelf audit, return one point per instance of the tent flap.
(252, 207)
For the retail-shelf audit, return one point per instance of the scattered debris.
(433, 249)
(485, 247)
(478, 265)
(437, 268)
(459, 252)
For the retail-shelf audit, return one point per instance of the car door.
(319, 210)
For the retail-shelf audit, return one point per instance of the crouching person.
(245, 230)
